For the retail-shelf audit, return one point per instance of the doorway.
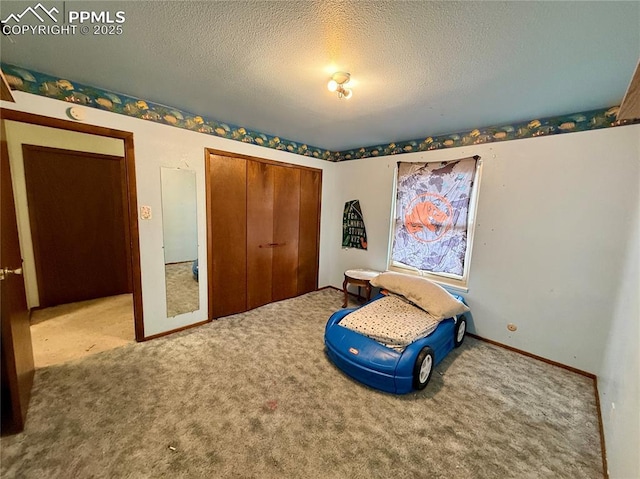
(78, 228)
(104, 283)
(16, 351)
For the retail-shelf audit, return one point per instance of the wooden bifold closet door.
(264, 224)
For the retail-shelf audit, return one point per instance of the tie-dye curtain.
(432, 208)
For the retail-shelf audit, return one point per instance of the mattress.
(392, 321)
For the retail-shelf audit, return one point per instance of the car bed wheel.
(423, 368)
(460, 331)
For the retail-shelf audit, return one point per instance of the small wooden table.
(359, 277)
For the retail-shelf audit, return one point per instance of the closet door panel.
(263, 230)
(228, 224)
(286, 211)
(309, 238)
(260, 247)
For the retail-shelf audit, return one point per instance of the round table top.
(362, 274)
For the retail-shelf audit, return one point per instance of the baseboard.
(605, 465)
(329, 287)
(534, 356)
(33, 310)
(591, 376)
(166, 333)
(505, 346)
(189, 326)
(340, 290)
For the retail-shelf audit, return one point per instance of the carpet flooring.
(75, 330)
(254, 396)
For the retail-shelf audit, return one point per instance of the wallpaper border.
(42, 84)
(575, 122)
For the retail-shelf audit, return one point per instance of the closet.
(263, 234)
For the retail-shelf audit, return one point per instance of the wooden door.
(17, 354)
(286, 220)
(264, 224)
(227, 220)
(309, 235)
(79, 224)
(260, 240)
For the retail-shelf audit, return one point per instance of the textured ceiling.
(418, 68)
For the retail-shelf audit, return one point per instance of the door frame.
(130, 198)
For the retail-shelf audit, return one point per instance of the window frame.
(448, 280)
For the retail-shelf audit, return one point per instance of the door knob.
(4, 272)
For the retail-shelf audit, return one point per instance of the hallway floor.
(71, 331)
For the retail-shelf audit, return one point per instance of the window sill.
(450, 284)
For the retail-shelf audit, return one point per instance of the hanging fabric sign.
(354, 234)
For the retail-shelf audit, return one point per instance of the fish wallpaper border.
(38, 83)
(575, 122)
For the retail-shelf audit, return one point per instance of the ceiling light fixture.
(337, 82)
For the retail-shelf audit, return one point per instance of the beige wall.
(553, 222)
(555, 252)
(619, 376)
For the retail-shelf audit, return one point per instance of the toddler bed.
(393, 342)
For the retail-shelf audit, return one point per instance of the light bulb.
(347, 93)
(332, 85)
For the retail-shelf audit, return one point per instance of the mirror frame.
(175, 216)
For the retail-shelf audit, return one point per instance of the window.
(433, 218)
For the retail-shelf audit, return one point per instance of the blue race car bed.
(393, 342)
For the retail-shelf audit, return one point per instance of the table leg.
(346, 293)
(368, 289)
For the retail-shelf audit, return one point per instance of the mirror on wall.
(180, 239)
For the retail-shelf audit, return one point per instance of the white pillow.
(426, 294)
